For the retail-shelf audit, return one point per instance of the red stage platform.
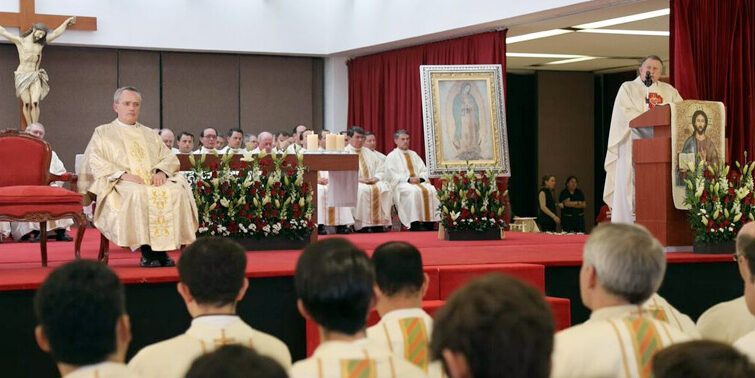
(20, 262)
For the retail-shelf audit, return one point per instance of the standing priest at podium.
(415, 198)
(634, 98)
(142, 199)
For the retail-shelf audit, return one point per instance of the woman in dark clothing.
(547, 219)
(573, 205)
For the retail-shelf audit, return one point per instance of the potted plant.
(472, 205)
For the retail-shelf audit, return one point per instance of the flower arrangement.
(472, 201)
(259, 196)
(720, 199)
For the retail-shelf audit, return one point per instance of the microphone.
(648, 81)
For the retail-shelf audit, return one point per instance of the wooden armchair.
(25, 191)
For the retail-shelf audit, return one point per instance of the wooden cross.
(27, 16)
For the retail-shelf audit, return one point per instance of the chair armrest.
(67, 177)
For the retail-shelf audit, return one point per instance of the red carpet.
(20, 266)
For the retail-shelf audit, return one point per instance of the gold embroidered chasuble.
(130, 214)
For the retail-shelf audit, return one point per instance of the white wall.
(295, 27)
(336, 98)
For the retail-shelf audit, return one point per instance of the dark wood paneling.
(199, 91)
(273, 98)
(141, 69)
(82, 82)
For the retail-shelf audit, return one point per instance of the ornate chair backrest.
(24, 158)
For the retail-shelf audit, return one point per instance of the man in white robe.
(415, 198)
(301, 143)
(726, 321)
(495, 326)
(93, 342)
(404, 327)
(169, 138)
(334, 284)
(370, 142)
(235, 145)
(745, 255)
(623, 265)
(265, 143)
(633, 99)
(659, 308)
(142, 200)
(331, 216)
(208, 140)
(22, 231)
(373, 210)
(212, 282)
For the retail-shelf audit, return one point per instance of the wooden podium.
(314, 162)
(654, 205)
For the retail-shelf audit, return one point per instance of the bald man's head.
(265, 140)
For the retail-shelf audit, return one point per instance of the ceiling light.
(542, 34)
(625, 19)
(539, 55)
(574, 60)
(629, 32)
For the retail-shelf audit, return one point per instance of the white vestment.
(205, 150)
(727, 321)
(330, 215)
(746, 345)
(414, 202)
(173, 357)
(4, 229)
(617, 341)
(19, 229)
(379, 154)
(294, 149)
(130, 214)
(103, 370)
(273, 151)
(342, 359)
(618, 192)
(231, 150)
(175, 150)
(406, 333)
(373, 201)
(660, 309)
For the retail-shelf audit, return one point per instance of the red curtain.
(384, 88)
(713, 58)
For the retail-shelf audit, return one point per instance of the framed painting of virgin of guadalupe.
(464, 118)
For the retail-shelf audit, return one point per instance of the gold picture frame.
(464, 118)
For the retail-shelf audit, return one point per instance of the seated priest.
(373, 210)
(370, 141)
(208, 140)
(168, 138)
(623, 265)
(142, 201)
(265, 143)
(415, 198)
(212, 282)
(235, 145)
(29, 231)
(331, 216)
(185, 142)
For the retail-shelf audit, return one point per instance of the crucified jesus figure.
(30, 80)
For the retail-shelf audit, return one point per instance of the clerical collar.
(215, 320)
(123, 124)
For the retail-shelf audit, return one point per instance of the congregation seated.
(82, 321)
(212, 282)
(623, 265)
(373, 208)
(334, 283)
(29, 231)
(701, 359)
(142, 200)
(235, 361)
(404, 327)
(745, 255)
(495, 326)
(726, 321)
(235, 138)
(185, 143)
(415, 198)
(208, 140)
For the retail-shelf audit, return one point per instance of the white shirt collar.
(215, 320)
(123, 124)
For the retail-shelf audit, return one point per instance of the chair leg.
(43, 241)
(104, 249)
(81, 222)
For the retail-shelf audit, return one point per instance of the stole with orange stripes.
(415, 341)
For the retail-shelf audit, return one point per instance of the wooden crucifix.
(30, 79)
